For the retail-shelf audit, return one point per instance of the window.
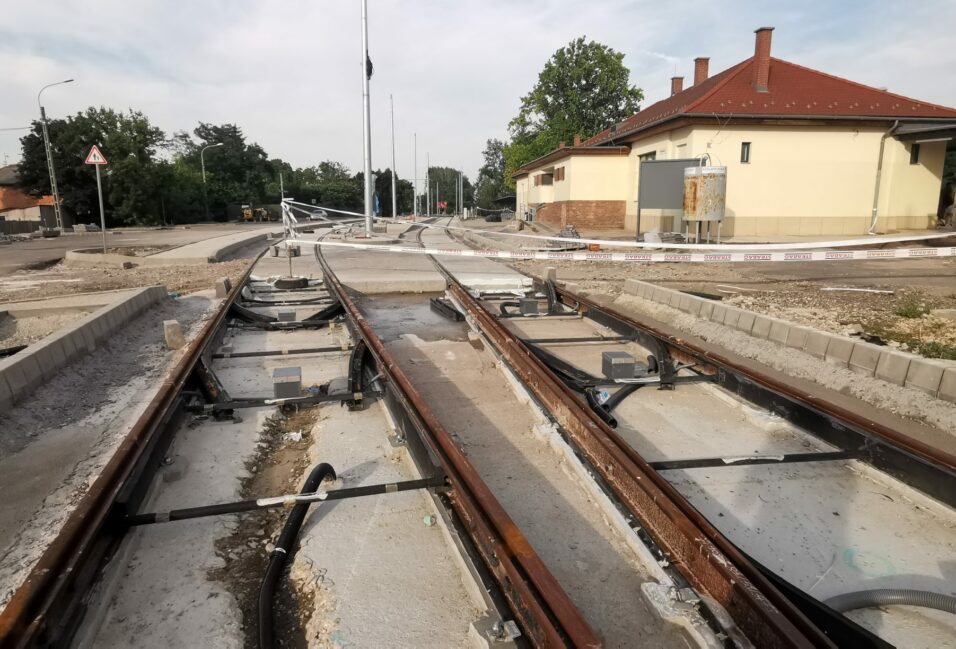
(647, 157)
(914, 154)
(745, 152)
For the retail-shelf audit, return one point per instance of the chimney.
(577, 140)
(562, 144)
(701, 69)
(761, 77)
(677, 84)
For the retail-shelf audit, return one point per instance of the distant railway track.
(724, 579)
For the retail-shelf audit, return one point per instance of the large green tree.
(583, 88)
(443, 181)
(490, 184)
(130, 180)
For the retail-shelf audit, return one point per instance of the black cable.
(281, 554)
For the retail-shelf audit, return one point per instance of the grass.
(911, 308)
(936, 350)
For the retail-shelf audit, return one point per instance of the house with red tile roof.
(805, 153)
(18, 205)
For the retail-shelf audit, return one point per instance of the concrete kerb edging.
(934, 377)
(87, 257)
(25, 370)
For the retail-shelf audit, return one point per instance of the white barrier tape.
(671, 257)
(320, 207)
(847, 243)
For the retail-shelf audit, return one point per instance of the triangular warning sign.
(95, 157)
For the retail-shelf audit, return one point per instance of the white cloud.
(287, 71)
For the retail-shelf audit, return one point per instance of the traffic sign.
(95, 157)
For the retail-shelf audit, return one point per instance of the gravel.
(61, 279)
(53, 446)
(24, 331)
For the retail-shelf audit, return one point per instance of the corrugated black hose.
(282, 552)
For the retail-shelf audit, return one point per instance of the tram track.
(743, 601)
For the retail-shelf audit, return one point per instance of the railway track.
(719, 576)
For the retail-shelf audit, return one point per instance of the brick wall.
(583, 214)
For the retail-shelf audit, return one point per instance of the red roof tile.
(12, 198)
(794, 91)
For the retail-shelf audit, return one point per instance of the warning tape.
(670, 257)
(613, 243)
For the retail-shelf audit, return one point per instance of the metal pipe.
(367, 121)
(892, 597)
(202, 164)
(879, 176)
(394, 203)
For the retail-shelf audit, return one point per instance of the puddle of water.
(398, 314)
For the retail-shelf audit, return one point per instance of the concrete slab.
(745, 321)
(761, 327)
(779, 331)
(839, 350)
(798, 336)
(893, 366)
(864, 358)
(926, 375)
(947, 385)
(706, 309)
(718, 313)
(817, 343)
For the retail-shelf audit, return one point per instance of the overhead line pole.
(428, 184)
(49, 154)
(415, 183)
(391, 101)
(367, 122)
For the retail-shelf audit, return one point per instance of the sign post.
(95, 158)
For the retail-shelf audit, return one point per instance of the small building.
(807, 153)
(22, 211)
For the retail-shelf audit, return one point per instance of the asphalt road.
(20, 254)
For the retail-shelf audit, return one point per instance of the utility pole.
(202, 164)
(415, 183)
(281, 188)
(367, 123)
(428, 184)
(437, 195)
(391, 102)
(49, 155)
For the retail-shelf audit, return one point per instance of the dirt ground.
(794, 292)
(60, 279)
(23, 331)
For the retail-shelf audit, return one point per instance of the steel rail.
(29, 613)
(543, 609)
(707, 559)
(890, 450)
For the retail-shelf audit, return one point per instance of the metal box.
(286, 316)
(528, 305)
(618, 365)
(287, 382)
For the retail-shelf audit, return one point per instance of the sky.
(288, 72)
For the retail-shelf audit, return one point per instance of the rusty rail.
(697, 549)
(544, 610)
(24, 620)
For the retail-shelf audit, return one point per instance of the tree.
(583, 88)
(443, 181)
(130, 180)
(490, 184)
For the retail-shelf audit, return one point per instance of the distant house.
(17, 205)
(806, 153)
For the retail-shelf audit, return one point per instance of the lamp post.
(49, 154)
(202, 163)
(366, 124)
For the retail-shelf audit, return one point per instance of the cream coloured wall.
(909, 193)
(595, 178)
(521, 194)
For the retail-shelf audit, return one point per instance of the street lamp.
(202, 163)
(49, 154)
